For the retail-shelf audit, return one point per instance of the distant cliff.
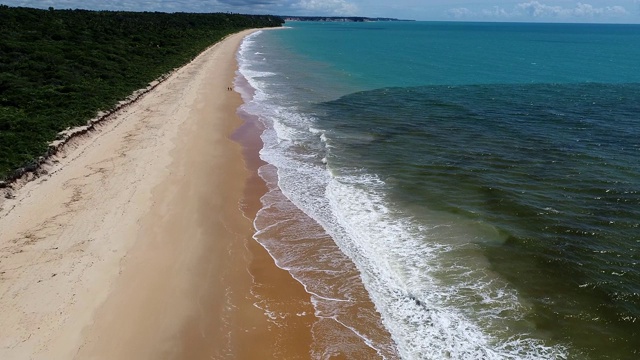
(337, 18)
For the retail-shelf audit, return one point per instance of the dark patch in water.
(553, 166)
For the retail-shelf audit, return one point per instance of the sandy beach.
(135, 246)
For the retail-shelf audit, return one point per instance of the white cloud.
(242, 6)
(461, 12)
(581, 10)
(328, 7)
(497, 12)
(538, 10)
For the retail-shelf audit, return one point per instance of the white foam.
(314, 130)
(401, 266)
(436, 297)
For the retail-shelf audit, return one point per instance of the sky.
(591, 11)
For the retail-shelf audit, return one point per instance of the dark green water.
(484, 179)
(553, 167)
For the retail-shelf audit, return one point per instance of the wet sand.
(138, 245)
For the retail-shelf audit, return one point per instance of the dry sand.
(134, 246)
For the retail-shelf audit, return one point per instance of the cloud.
(327, 7)
(282, 7)
(460, 13)
(249, 2)
(141, 5)
(497, 12)
(537, 10)
(247, 6)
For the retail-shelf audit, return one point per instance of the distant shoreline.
(339, 19)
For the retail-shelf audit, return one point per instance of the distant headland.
(338, 18)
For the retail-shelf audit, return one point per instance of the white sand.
(97, 259)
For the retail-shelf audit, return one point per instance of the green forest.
(59, 68)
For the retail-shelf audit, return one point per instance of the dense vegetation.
(58, 68)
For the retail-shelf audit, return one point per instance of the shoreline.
(135, 247)
(346, 324)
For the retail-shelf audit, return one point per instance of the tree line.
(59, 68)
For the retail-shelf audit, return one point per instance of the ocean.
(479, 183)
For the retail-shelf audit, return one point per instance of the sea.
(478, 183)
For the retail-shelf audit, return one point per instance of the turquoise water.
(483, 179)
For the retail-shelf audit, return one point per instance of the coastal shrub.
(59, 68)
